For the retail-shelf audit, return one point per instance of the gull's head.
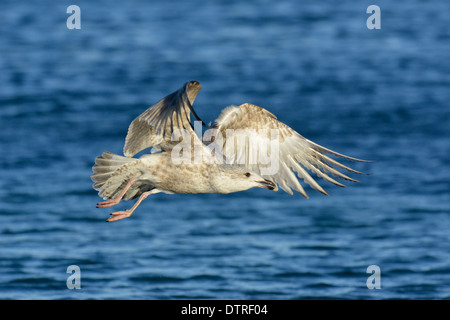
(234, 178)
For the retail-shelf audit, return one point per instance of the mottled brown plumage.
(245, 147)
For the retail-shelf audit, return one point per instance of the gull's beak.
(267, 184)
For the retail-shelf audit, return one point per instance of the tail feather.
(106, 176)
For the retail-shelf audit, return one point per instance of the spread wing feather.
(266, 137)
(154, 127)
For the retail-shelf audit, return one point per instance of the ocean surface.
(383, 94)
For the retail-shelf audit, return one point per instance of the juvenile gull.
(266, 157)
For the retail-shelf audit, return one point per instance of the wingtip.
(193, 85)
(303, 193)
(368, 161)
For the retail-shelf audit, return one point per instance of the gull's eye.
(247, 174)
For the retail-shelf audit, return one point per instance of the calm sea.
(68, 95)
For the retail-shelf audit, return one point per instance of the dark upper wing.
(154, 127)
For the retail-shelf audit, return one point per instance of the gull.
(270, 155)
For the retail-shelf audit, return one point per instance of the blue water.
(68, 95)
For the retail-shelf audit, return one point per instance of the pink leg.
(116, 200)
(119, 215)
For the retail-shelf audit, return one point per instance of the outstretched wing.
(252, 136)
(154, 127)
